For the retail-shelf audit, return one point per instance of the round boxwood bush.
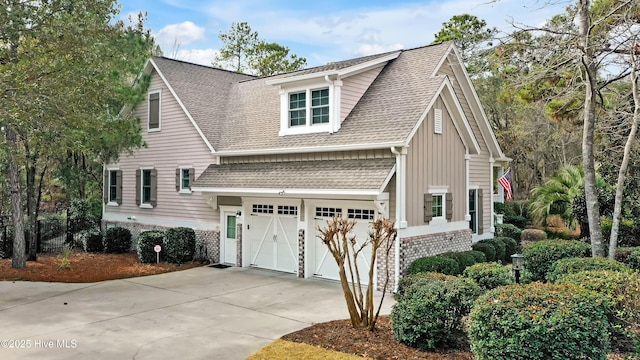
(436, 263)
(146, 244)
(488, 250)
(479, 256)
(409, 283)
(509, 230)
(489, 275)
(633, 259)
(574, 265)
(181, 244)
(499, 246)
(464, 259)
(619, 288)
(540, 255)
(94, 241)
(117, 240)
(539, 321)
(511, 247)
(430, 315)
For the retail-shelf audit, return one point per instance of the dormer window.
(300, 109)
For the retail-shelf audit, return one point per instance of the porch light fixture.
(517, 264)
(281, 193)
(238, 213)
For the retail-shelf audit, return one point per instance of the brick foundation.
(301, 253)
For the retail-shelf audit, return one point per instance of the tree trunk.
(622, 173)
(32, 212)
(19, 260)
(590, 192)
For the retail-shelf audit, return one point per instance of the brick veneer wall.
(209, 238)
(238, 245)
(301, 253)
(414, 247)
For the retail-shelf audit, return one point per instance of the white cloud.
(196, 56)
(181, 34)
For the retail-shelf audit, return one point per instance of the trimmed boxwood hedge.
(429, 313)
(94, 241)
(146, 244)
(180, 243)
(498, 245)
(488, 250)
(539, 321)
(511, 247)
(117, 240)
(489, 275)
(540, 255)
(479, 256)
(463, 258)
(574, 265)
(509, 230)
(436, 263)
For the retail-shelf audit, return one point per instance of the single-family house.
(255, 165)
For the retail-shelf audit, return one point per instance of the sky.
(322, 31)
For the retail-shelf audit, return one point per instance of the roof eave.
(310, 149)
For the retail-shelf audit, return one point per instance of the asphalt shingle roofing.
(369, 174)
(239, 112)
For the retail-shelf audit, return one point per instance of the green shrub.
(622, 254)
(463, 258)
(532, 235)
(146, 243)
(633, 260)
(181, 244)
(619, 288)
(488, 250)
(6, 243)
(93, 241)
(117, 240)
(409, 283)
(436, 263)
(430, 315)
(574, 265)
(540, 255)
(627, 231)
(511, 247)
(499, 245)
(489, 275)
(479, 256)
(509, 230)
(539, 321)
(516, 220)
(84, 214)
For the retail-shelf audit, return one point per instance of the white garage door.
(273, 237)
(325, 265)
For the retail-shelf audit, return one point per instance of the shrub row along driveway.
(201, 313)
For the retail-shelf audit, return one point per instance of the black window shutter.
(192, 177)
(154, 187)
(178, 179)
(449, 197)
(479, 212)
(105, 187)
(154, 111)
(138, 173)
(428, 207)
(119, 187)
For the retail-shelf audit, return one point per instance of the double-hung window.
(184, 179)
(437, 205)
(146, 187)
(113, 187)
(317, 109)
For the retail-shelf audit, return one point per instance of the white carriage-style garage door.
(324, 265)
(273, 236)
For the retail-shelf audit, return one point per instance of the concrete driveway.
(201, 313)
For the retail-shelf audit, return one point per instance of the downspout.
(492, 228)
(401, 222)
(467, 158)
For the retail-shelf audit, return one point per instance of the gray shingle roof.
(238, 112)
(369, 174)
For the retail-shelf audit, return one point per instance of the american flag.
(505, 182)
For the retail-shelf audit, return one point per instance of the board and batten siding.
(479, 164)
(436, 160)
(176, 144)
(354, 87)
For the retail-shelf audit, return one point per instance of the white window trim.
(111, 203)
(144, 205)
(159, 92)
(183, 190)
(334, 109)
(439, 191)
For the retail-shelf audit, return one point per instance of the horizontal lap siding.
(354, 87)
(435, 160)
(177, 144)
(337, 155)
(479, 165)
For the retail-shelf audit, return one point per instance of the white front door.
(230, 239)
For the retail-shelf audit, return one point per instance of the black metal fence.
(53, 234)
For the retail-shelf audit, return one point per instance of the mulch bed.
(85, 267)
(339, 335)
